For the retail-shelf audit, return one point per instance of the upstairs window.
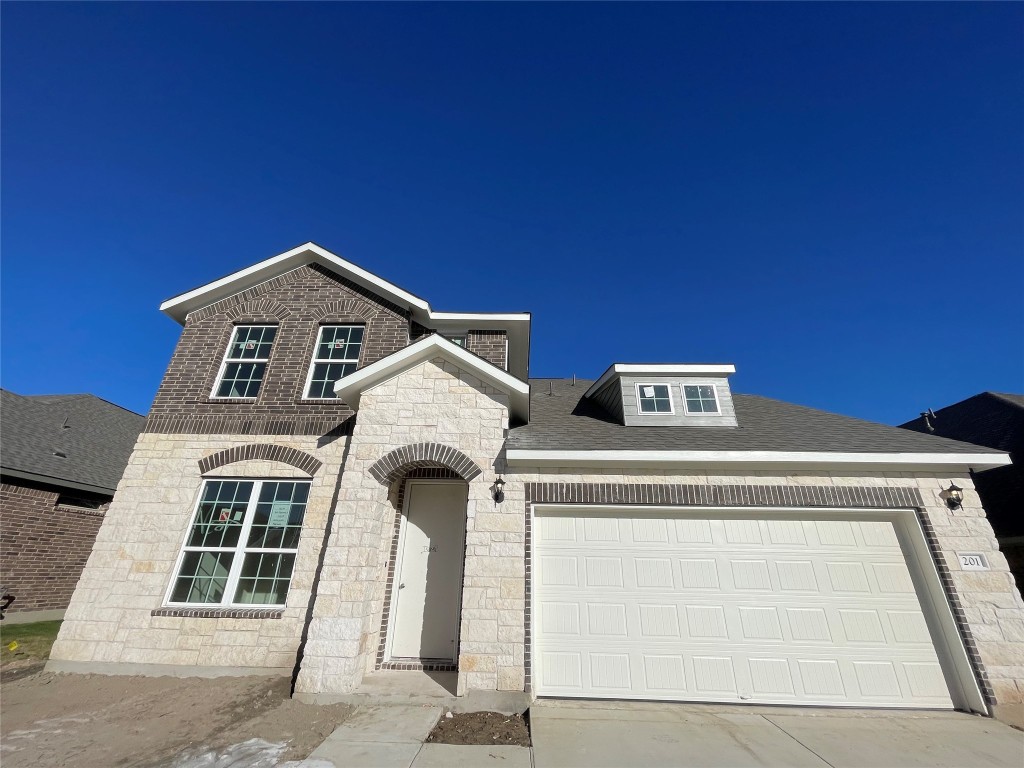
(336, 355)
(654, 398)
(240, 549)
(459, 340)
(241, 374)
(700, 398)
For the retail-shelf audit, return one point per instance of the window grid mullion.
(236, 563)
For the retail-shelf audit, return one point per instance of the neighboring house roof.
(995, 419)
(515, 324)
(565, 423)
(351, 387)
(95, 437)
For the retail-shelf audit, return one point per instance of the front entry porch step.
(415, 687)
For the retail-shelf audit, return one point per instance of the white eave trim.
(178, 307)
(758, 459)
(351, 387)
(695, 369)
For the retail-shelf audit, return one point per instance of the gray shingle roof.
(564, 420)
(97, 437)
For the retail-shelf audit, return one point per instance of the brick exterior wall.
(297, 302)
(43, 547)
(490, 345)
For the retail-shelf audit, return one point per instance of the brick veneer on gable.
(297, 302)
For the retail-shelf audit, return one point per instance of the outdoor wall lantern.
(954, 496)
(499, 490)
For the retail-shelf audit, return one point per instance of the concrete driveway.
(641, 735)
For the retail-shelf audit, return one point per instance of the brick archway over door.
(394, 464)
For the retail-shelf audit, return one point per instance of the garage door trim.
(949, 646)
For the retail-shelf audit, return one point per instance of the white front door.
(428, 579)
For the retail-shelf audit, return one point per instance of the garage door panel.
(779, 611)
(578, 616)
(709, 674)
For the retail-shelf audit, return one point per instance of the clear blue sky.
(829, 196)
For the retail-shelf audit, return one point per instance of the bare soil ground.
(481, 728)
(99, 721)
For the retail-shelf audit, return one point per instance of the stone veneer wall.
(431, 402)
(111, 617)
(992, 608)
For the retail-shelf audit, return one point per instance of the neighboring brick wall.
(43, 547)
(298, 302)
(490, 345)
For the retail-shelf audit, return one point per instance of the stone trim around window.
(263, 451)
(393, 465)
(806, 496)
(220, 613)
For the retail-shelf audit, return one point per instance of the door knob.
(401, 586)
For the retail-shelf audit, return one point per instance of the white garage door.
(817, 612)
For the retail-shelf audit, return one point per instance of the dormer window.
(241, 373)
(654, 398)
(700, 398)
(336, 355)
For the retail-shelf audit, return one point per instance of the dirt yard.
(482, 728)
(97, 721)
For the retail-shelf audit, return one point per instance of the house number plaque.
(973, 561)
(429, 548)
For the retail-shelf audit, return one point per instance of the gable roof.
(351, 387)
(515, 324)
(566, 427)
(95, 436)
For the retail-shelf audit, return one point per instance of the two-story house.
(336, 479)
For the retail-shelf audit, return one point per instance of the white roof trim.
(756, 459)
(178, 307)
(482, 317)
(516, 324)
(697, 369)
(351, 387)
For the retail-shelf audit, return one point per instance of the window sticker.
(648, 391)
(279, 513)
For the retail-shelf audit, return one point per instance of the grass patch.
(34, 641)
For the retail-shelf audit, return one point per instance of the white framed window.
(654, 398)
(245, 362)
(700, 398)
(336, 354)
(240, 548)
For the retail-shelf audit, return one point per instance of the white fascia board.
(178, 307)
(694, 369)
(489, 319)
(350, 388)
(757, 459)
